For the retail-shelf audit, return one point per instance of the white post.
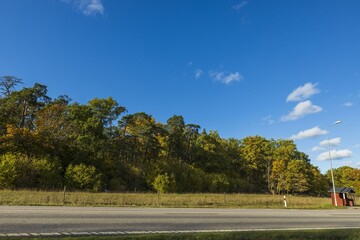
(285, 201)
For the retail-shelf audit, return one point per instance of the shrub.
(219, 183)
(20, 171)
(46, 173)
(83, 177)
(189, 179)
(8, 170)
(164, 183)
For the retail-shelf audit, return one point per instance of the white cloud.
(345, 153)
(300, 110)
(198, 73)
(226, 78)
(302, 93)
(334, 142)
(317, 149)
(240, 5)
(348, 104)
(357, 164)
(88, 7)
(309, 133)
(269, 120)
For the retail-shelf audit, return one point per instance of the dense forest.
(51, 143)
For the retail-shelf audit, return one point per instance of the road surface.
(110, 220)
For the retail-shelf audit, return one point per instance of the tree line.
(49, 143)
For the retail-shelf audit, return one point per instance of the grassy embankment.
(41, 198)
(343, 234)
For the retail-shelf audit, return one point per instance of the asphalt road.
(100, 219)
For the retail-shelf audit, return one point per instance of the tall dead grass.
(42, 198)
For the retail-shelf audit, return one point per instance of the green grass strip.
(347, 234)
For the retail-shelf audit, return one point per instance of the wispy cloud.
(303, 92)
(357, 145)
(226, 78)
(268, 120)
(317, 149)
(300, 110)
(239, 6)
(88, 7)
(348, 104)
(309, 133)
(334, 142)
(198, 73)
(340, 154)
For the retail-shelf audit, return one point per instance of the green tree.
(18, 112)
(211, 153)
(106, 110)
(175, 144)
(8, 84)
(55, 131)
(284, 152)
(142, 133)
(44, 143)
(191, 136)
(297, 177)
(256, 152)
(346, 177)
(92, 130)
(21, 106)
(319, 184)
(139, 148)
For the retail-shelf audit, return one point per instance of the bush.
(20, 171)
(189, 179)
(219, 183)
(164, 184)
(83, 177)
(8, 170)
(46, 173)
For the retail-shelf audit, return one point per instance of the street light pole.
(332, 174)
(331, 167)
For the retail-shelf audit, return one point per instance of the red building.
(343, 196)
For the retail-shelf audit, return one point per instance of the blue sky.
(279, 69)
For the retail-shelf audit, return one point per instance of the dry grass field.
(42, 198)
